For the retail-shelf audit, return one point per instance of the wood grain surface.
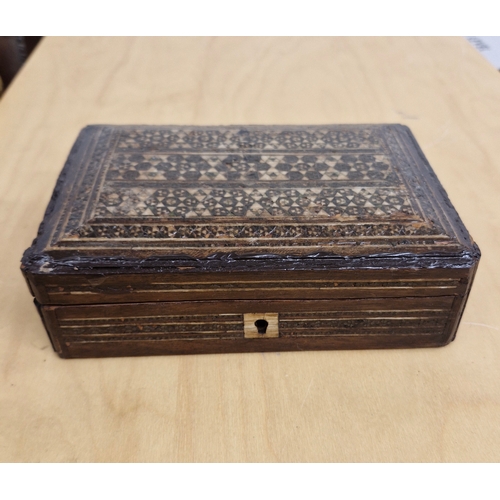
(388, 405)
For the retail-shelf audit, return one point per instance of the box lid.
(133, 198)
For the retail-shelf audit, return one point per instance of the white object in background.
(489, 46)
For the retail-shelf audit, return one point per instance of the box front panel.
(242, 326)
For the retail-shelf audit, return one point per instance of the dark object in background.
(184, 240)
(14, 50)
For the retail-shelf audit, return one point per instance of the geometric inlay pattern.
(206, 202)
(185, 189)
(251, 167)
(245, 138)
(293, 185)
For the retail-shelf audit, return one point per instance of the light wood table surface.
(395, 405)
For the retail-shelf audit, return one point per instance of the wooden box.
(178, 240)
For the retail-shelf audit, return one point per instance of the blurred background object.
(14, 50)
(489, 46)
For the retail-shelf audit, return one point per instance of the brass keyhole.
(261, 325)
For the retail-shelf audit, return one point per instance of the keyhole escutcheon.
(261, 325)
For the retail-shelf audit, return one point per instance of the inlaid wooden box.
(179, 240)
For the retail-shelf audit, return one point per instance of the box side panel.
(37, 289)
(51, 324)
(221, 326)
(459, 304)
